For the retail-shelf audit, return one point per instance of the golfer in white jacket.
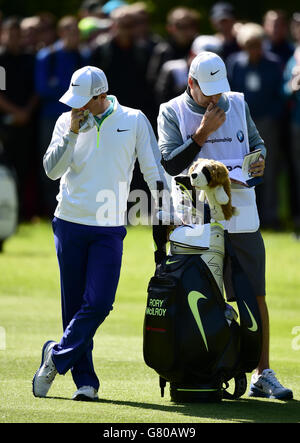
(92, 155)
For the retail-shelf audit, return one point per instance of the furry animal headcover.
(212, 178)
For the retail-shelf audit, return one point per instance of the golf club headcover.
(212, 177)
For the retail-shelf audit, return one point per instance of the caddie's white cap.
(85, 84)
(210, 72)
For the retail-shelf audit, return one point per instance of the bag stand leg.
(162, 385)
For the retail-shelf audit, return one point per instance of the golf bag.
(191, 337)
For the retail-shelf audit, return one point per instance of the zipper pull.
(98, 136)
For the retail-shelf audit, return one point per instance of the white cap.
(210, 72)
(85, 84)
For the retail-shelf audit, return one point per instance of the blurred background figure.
(53, 70)
(276, 27)
(292, 93)
(30, 28)
(124, 59)
(173, 76)
(47, 30)
(182, 27)
(91, 8)
(295, 28)
(18, 103)
(259, 76)
(92, 27)
(277, 41)
(223, 19)
(143, 29)
(111, 5)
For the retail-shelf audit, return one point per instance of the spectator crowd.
(40, 53)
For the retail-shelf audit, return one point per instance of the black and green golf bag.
(191, 338)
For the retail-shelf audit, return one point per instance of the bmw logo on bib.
(240, 136)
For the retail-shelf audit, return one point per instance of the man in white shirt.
(93, 151)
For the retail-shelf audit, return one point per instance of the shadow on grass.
(243, 410)
(26, 253)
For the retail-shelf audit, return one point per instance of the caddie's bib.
(228, 144)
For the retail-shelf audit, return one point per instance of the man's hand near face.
(77, 115)
(213, 118)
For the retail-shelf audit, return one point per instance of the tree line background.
(250, 11)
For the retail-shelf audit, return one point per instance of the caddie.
(210, 121)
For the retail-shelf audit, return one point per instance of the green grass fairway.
(129, 393)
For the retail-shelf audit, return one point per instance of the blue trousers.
(89, 259)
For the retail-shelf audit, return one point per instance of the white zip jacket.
(96, 167)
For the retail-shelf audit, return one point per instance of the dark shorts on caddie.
(250, 252)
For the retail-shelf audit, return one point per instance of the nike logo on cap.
(74, 84)
(213, 73)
